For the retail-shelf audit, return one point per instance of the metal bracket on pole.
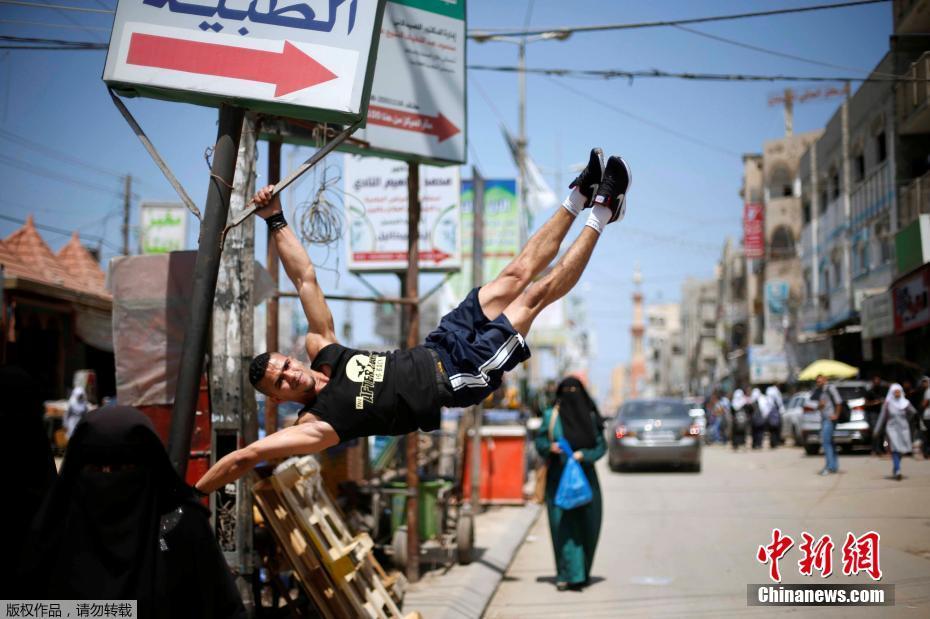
(293, 176)
(147, 143)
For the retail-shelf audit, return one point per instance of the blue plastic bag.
(574, 489)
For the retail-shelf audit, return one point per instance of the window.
(859, 167)
(834, 184)
(881, 147)
(862, 257)
(824, 199)
(808, 284)
(806, 210)
(782, 243)
(780, 183)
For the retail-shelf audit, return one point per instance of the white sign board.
(417, 108)
(767, 365)
(310, 59)
(376, 212)
(164, 227)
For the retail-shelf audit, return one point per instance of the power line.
(54, 175)
(55, 154)
(646, 121)
(62, 231)
(773, 52)
(23, 22)
(59, 7)
(693, 76)
(486, 33)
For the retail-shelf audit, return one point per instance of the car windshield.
(654, 410)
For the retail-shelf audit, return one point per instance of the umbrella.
(829, 368)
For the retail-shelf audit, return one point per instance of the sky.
(682, 139)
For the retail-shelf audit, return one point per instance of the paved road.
(677, 544)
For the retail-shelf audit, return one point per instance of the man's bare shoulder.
(315, 343)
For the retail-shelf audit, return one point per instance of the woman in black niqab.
(581, 421)
(120, 524)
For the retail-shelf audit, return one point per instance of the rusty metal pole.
(412, 314)
(271, 315)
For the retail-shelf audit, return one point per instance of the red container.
(503, 465)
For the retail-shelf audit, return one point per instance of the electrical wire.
(55, 154)
(773, 52)
(59, 7)
(674, 132)
(692, 76)
(23, 22)
(62, 231)
(54, 175)
(485, 33)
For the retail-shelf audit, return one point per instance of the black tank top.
(374, 393)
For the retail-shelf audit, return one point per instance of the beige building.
(664, 355)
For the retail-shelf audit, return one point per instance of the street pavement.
(684, 544)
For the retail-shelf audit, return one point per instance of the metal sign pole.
(411, 291)
(477, 276)
(206, 269)
(271, 317)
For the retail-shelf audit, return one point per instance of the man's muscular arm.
(312, 436)
(300, 270)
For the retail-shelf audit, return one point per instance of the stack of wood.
(336, 569)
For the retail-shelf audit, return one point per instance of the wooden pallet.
(336, 568)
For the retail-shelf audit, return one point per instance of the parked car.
(793, 416)
(855, 432)
(658, 431)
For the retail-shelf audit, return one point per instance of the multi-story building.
(732, 367)
(861, 182)
(699, 333)
(664, 354)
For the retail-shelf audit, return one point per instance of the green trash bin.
(430, 525)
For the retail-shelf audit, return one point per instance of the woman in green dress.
(574, 532)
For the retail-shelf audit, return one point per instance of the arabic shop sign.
(164, 227)
(417, 108)
(310, 59)
(376, 210)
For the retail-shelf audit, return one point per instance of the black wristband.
(276, 221)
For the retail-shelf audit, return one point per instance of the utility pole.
(127, 202)
(206, 270)
(410, 290)
(477, 276)
(521, 141)
(271, 316)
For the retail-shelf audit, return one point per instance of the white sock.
(599, 217)
(574, 202)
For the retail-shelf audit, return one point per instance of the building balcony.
(914, 200)
(831, 225)
(872, 196)
(914, 98)
(910, 16)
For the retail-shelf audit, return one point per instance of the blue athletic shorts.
(476, 351)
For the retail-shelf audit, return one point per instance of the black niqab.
(28, 462)
(580, 418)
(101, 534)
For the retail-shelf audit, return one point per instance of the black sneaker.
(613, 188)
(589, 179)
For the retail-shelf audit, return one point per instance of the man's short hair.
(257, 368)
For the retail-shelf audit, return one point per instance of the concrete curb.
(465, 590)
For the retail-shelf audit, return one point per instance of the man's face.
(286, 379)
(876, 381)
(821, 380)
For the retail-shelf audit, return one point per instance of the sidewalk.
(464, 591)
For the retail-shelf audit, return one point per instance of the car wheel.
(812, 450)
(696, 467)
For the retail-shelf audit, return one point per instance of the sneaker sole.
(620, 213)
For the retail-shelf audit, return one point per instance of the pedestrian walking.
(874, 399)
(77, 406)
(120, 524)
(740, 418)
(773, 394)
(923, 418)
(575, 532)
(896, 423)
(760, 411)
(826, 399)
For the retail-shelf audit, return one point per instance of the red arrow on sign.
(436, 255)
(438, 125)
(289, 70)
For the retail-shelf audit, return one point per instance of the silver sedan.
(654, 432)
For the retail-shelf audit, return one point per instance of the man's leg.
(543, 246)
(609, 204)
